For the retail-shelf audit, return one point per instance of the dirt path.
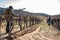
(38, 35)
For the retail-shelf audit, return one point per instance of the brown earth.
(43, 32)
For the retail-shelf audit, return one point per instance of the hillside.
(21, 12)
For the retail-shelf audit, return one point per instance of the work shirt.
(9, 15)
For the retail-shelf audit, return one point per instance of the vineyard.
(23, 25)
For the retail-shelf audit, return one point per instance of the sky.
(50, 7)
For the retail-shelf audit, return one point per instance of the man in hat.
(8, 16)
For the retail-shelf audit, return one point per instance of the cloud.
(7, 2)
(51, 7)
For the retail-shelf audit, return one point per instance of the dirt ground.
(43, 32)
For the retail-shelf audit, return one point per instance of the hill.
(21, 12)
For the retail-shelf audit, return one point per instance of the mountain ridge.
(21, 12)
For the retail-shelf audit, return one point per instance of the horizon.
(50, 7)
(31, 12)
